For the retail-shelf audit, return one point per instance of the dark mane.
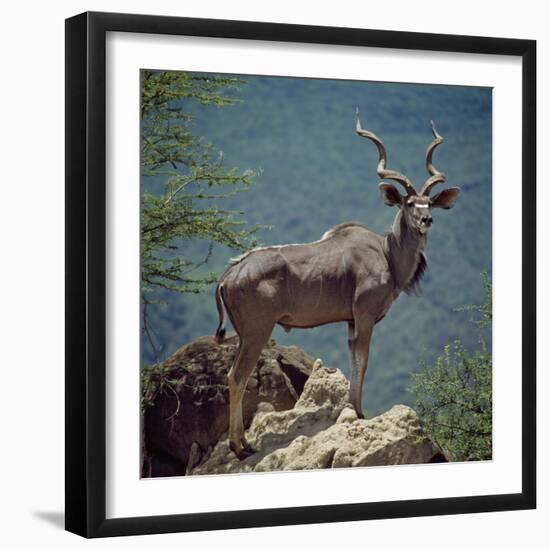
(413, 286)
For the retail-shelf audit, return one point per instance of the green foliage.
(156, 379)
(183, 180)
(454, 396)
(485, 310)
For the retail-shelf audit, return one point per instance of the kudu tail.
(220, 331)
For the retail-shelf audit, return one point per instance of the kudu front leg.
(359, 337)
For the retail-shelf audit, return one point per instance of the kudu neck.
(405, 247)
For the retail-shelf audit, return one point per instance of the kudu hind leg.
(359, 337)
(237, 378)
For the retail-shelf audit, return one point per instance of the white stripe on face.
(422, 205)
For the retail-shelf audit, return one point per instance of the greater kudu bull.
(350, 275)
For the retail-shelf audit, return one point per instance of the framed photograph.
(255, 214)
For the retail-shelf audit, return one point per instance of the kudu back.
(350, 275)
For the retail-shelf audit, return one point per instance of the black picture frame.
(86, 274)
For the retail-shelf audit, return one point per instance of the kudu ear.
(390, 195)
(445, 199)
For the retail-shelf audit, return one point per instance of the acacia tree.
(454, 396)
(183, 178)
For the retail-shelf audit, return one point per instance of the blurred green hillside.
(316, 172)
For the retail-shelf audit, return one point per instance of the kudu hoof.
(242, 452)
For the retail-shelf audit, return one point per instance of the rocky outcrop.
(323, 431)
(186, 399)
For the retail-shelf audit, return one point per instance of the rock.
(194, 457)
(348, 414)
(326, 387)
(186, 399)
(323, 431)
